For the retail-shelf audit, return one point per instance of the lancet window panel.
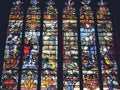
(29, 77)
(107, 47)
(50, 48)
(12, 51)
(70, 47)
(88, 46)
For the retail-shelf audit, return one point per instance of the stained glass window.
(88, 58)
(88, 46)
(50, 48)
(107, 48)
(70, 48)
(12, 49)
(31, 47)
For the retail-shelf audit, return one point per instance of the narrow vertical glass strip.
(50, 48)
(88, 46)
(29, 75)
(70, 48)
(12, 55)
(107, 48)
